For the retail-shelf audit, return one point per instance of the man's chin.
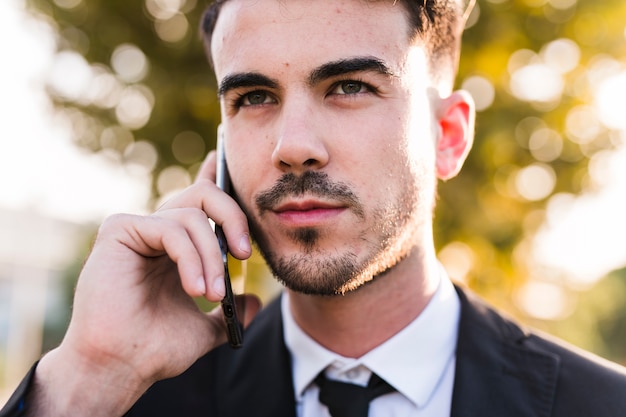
(313, 274)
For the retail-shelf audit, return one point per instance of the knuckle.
(196, 213)
(114, 223)
(183, 215)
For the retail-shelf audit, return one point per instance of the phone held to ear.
(229, 309)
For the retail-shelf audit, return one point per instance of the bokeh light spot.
(171, 179)
(116, 138)
(545, 145)
(563, 55)
(68, 4)
(140, 157)
(135, 107)
(69, 76)
(129, 63)
(172, 30)
(164, 9)
(535, 182)
(188, 147)
(458, 260)
(582, 124)
(544, 300)
(521, 58)
(610, 99)
(105, 89)
(482, 90)
(525, 129)
(601, 167)
(537, 82)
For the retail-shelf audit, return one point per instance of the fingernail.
(201, 286)
(218, 287)
(244, 244)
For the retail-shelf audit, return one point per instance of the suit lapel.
(497, 373)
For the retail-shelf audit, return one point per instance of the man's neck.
(357, 322)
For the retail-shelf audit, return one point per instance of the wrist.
(67, 385)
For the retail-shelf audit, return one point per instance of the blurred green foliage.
(479, 207)
(598, 323)
(483, 208)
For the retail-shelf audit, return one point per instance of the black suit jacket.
(502, 370)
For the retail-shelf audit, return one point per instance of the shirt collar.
(425, 347)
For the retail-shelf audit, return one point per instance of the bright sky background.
(41, 170)
(586, 235)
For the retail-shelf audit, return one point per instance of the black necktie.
(350, 400)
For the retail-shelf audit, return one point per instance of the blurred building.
(35, 252)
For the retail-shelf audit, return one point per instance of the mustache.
(311, 183)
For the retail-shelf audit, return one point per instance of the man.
(339, 117)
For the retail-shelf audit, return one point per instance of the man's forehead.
(263, 31)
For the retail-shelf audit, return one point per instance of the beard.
(388, 239)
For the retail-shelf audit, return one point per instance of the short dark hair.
(438, 24)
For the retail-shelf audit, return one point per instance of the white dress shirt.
(418, 362)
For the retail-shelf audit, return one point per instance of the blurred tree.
(533, 66)
(599, 322)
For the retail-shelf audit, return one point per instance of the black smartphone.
(229, 309)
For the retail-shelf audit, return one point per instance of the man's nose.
(300, 144)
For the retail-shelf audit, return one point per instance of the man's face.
(330, 136)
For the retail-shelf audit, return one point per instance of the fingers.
(183, 235)
(218, 206)
(180, 229)
(210, 281)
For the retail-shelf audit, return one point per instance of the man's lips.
(307, 212)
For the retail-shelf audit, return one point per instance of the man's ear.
(455, 115)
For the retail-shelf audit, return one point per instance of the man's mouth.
(306, 212)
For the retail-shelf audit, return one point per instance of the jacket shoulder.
(587, 384)
(531, 369)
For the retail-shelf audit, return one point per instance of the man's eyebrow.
(346, 66)
(245, 79)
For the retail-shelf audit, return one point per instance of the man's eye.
(255, 98)
(349, 87)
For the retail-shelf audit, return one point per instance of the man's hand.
(134, 321)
